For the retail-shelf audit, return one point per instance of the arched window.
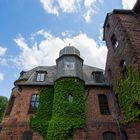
(27, 135)
(70, 98)
(34, 103)
(109, 136)
(124, 135)
(124, 69)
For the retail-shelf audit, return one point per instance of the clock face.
(69, 65)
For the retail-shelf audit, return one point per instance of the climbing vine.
(128, 91)
(67, 115)
(57, 118)
(39, 121)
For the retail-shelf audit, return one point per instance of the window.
(109, 136)
(70, 98)
(34, 103)
(109, 74)
(40, 76)
(124, 135)
(10, 105)
(124, 69)
(27, 135)
(103, 103)
(114, 41)
(98, 77)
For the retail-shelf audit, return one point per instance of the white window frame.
(40, 76)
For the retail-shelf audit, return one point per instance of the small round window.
(70, 98)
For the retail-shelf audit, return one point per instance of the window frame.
(123, 69)
(108, 135)
(34, 103)
(98, 76)
(26, 134)
(70, 98)
(103, 104)
(40, 76)
(114, 41)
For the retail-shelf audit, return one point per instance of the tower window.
(10, 105)
(98, 77)
(34, 103)
(70, 98)
(109, 74)
(124, 69)
(109, 136)
(27, 135)
(114, 41)
(103, 103)
(40, 76)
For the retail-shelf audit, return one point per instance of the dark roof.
(136, 7)
(29, 77)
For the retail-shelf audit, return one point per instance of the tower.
(69, 63)
(121, 33)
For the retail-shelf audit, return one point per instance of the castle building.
(103, 113)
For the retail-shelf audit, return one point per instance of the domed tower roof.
(69, 50)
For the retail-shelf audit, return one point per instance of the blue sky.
(32, 32)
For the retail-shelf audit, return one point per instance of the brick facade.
(124, 27)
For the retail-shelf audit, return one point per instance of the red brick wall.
(126, 28)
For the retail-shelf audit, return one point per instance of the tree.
(3, 105)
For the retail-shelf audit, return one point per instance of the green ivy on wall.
(39, 121)
(128, 91)
(63, 116)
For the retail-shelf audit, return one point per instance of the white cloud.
(128, 4)
(86, 7)
(49, 6)
(1, 76)
(69, 6)
(2, 51)
(2, 54)
(47, 51)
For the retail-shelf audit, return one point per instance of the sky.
(32, 32)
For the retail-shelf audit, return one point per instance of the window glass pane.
(40, 76)
(34, 103)
(103, 103)
(33, 97)
(70, 98)
(98, 77)
(109, 136)
(27, 136)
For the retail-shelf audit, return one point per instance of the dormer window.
(114, 41)
(98, 76)
(40, 76)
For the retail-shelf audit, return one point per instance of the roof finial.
(69, 44)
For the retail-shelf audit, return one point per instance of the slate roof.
(29, 77)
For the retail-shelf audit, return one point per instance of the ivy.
(3, 105)
(128, 91)
(56, 118)
(67, 115)
(39, 121)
